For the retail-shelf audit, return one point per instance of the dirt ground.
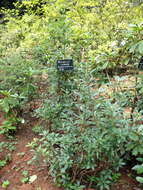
(19, 162)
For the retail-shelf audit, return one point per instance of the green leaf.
(5, 184)
(138, 168)
(133, 48)
(5, 106)
(25, 173)
(139, 179)
(134, 137)
(140, 159)
(25, 180)
(2, 163)
(126, 61)
(140, 47)
(135, 151)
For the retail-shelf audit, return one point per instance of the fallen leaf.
(32, 178)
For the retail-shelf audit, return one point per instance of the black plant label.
(65, 65)
(140, 65)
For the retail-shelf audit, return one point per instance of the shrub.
(85, 137)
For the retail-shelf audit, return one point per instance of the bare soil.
(19, 162)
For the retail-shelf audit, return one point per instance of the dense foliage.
(7, 3)
(85, 136)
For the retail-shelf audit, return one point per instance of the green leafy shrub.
(131, 45)
(84, 140)
(139, 169)
(8, 126)
(76, 154)
(17, 89)
(84, 137)
(136, 148)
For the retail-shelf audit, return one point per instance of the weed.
(37, 129)
(25, 178)
(2, 163)
(5, 184)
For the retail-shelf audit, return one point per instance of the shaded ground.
(126, 182)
